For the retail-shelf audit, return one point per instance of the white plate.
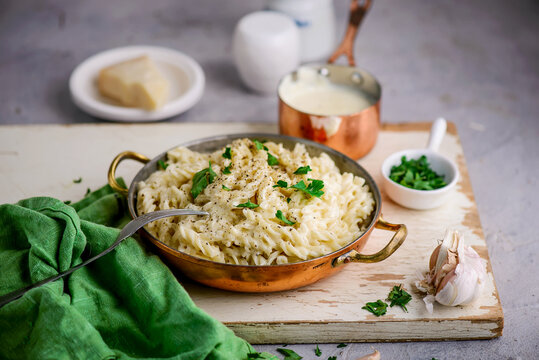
(185, 77)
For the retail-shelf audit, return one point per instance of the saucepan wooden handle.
(117, 160)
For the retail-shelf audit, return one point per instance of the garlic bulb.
(456, 273)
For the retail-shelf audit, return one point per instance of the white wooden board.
(44, 160)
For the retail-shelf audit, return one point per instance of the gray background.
(474, 62)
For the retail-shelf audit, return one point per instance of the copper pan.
(269, 278)
(357, 132)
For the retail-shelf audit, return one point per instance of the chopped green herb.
(77, 181)
(248, 205)
(314, 188)
(201, 180)
(279, 215)
(416, 174)
(263, 355)
(88, 191)
(260, 146)
(281, 184)
(227, 154)
(272, 160)
(225, 188)
(289, 354)
(378, 308)
(399, 297)
(163, 165)
(317, 351)
(303, 170)
(288, 200)
(226, 170)
(342, 345)
(254, 355)
(332, 358)
(67, 202)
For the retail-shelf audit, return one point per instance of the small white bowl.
(185, 77)
(422, 199)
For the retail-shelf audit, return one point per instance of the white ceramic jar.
(316, 22)
(266, 47)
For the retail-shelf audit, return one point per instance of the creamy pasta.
(256, 236)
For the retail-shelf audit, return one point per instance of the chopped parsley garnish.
(342, 345)
(67, 202)
(303, 170)
(279, 215)
(313, 189)
(225, 188)
(201, 180)
(163, 165)
(378, 308)
(88, 191)
(264, 356)
(227, 154)
(288, 200)
(272, 160)
(248, 205)
(332, 358)
(281, 184)
(317, 351)
(289, 354)
(259, 145)
(398, 296)
(77, 181)
(226, 170)
(416, 174)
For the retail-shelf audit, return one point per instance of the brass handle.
(357, 13)
(396, 241)
(117, 160)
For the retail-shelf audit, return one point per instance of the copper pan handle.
(357, 13)
(396, 241)
(111, 175)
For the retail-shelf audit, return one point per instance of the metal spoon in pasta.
(127, 231)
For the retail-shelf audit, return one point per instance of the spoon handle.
(437, 132)
(127, 231)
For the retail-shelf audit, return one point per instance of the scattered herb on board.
(226, 170)
(342, 345)
(201, 180)
(88, 191)
(163, 165)
(263, 355)
(272, 160)
(303, 170)
(281, 184)
(416, 174)
(332, 358)
(260, 146)
(77, 181)
(279, 215)
(289, 354)
(317, 351)
(313, 189)
(248, 205)
(398, 296)
(227, 154)
(225, 188)
(67, 202)
(378, 308)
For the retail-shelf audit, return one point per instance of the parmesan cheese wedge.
(135, 83)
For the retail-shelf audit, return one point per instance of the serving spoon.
(127, 231)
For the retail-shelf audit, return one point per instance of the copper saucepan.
(268, 278)
(354, 134)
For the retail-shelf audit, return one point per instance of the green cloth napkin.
(125, 305)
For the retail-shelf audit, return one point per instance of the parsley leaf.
(398, 296)
(226, 170)
(378, 308)
(281, 184)
(303, 170)
(342, 345)
(332, 358)
(201, 180)
(289, 354)
(263, 356)
(67, 202)
(260, 146)
(227, 154)
(88, 191)
(248, 205)
(288, 200)
(77, 181)
(317, 351)
(416, 174)
(163, 165)
(314, 188)
(225, 188)
(279, 215)
(272, 160)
